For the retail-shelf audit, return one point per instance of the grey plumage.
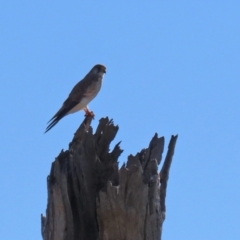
(82, 93)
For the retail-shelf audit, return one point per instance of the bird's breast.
(93, 89)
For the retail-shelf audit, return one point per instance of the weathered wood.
(89, 198)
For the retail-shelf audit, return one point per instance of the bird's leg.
(88, 113)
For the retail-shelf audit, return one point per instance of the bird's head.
(99, 68)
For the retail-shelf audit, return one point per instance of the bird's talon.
(90, 114)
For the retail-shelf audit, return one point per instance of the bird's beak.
(105, 71)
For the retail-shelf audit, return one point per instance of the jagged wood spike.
(90, 198)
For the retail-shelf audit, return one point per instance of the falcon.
(82, 93)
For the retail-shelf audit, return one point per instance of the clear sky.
(172, 68)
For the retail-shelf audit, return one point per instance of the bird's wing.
(78, 92)
(81, 89)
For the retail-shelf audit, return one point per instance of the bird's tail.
(56, 118)
(54, 121)
(64, 110)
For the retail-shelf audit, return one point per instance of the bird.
(82, 93)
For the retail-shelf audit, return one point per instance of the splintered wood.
(90, 198)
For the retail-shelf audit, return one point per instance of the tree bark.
(90, 198)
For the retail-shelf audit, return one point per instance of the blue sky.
(172, 68)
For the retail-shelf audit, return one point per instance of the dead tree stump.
(89, 198)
